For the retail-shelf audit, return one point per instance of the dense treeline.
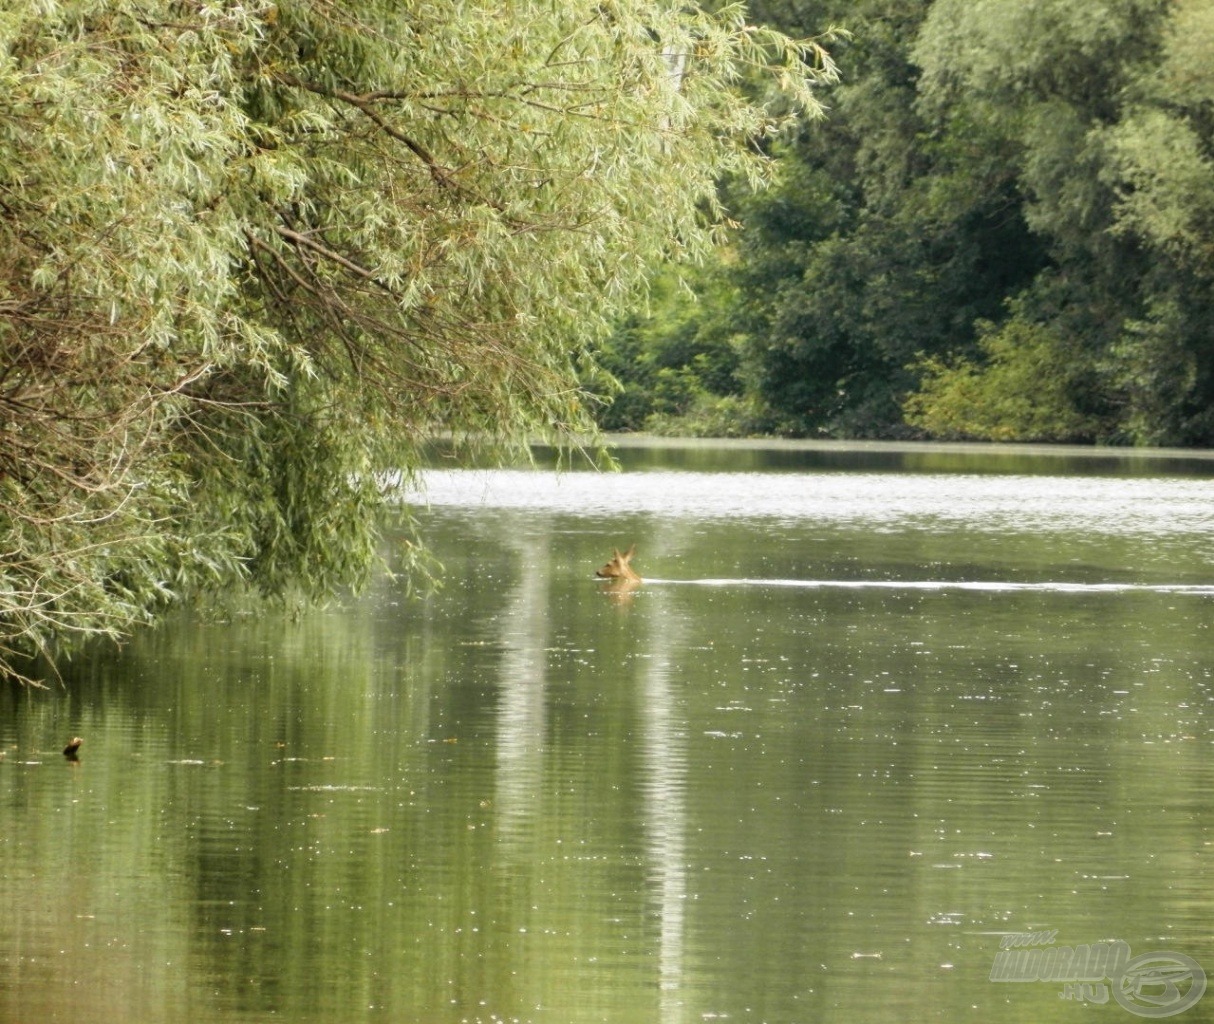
(1003, 230)
(253, 255)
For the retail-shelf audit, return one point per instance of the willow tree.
(251, 255)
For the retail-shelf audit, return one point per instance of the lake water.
(875, 712)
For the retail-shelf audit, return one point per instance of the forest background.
(1002, 230)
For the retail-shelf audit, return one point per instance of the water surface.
(860, 723)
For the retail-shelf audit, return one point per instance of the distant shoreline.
(623, 440)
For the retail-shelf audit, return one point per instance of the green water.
(865, 718)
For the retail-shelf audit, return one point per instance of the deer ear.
(627, 556)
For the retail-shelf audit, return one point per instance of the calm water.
(873, 711)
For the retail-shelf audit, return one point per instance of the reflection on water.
(855, 729)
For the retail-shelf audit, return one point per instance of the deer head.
(618, 570)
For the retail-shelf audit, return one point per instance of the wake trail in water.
(992, 586)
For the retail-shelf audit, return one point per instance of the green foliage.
(1017, 54)
(253, 255)
(993, 175)
(677, 369)
(1003, 231)
(1111, 151)
(1025, 389)
(823, 264)
(887, 238)
(1164, 178)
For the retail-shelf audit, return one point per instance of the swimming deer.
(623, 577)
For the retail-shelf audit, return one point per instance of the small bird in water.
(72, 747)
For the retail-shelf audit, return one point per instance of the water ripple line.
(994, 586)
